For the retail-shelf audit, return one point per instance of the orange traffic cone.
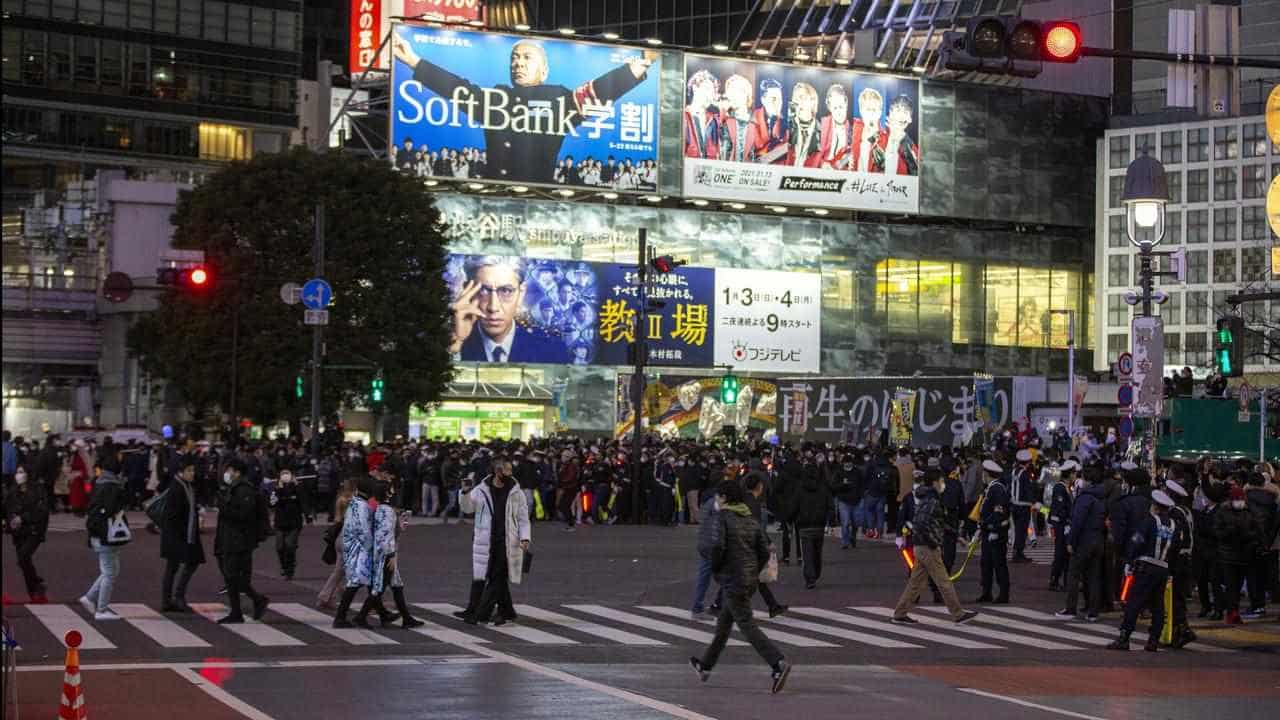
(72, 695)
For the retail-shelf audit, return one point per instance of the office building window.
(1117, 311)
(86, 64)
(1197, 226)
(1198, 266)
(237, 24)
(1144, 144)
(262, 33)
(1117, 344)
(223, 142)
(64, 9)
(1255, 263)
(1172, 349)
(1224, 265)
(59, 61)
(111, 71)
(1224, 225)
(1197, 307)
(115, 13)
(1254, 181)
(1253, 223)
(1171, 310)
(215, 21)
(1117, 270)
(1197, 349)
(1197, 186)
(1225, 143)
(1174, 180)
(1119, 157)
(90, 12)
(1255, 139)
(286, 30)
(189, 13)
(1171, 147)
(967, 297)
(1115, 191)
(166, 20)
(140, 14)
(1224, 184)
(1173, 227)
(1198, 145)
(1116, 236)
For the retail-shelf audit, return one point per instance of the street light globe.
(1146, 214)
(1146, 192)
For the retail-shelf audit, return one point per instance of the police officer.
(1126, 512)
(994, 526)
(1059, 518)
(1023, 488)
(1180, 565)
(1154, 540)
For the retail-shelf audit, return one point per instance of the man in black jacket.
(1262, 505)
(1086, 537)
(291, 505)
(847, 487)
(237, 536)
(737, 549)
(928, 534)
(809, 515)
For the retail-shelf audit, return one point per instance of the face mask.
(20, 477)
(227, 478)
(1237, 504)
(848, 466)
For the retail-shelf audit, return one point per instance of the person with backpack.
(242, 513)
(176, 514)
(108, 532)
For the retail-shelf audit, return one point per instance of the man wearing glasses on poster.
(485, 312)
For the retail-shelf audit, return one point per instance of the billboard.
(534, 111)
(774, 133)
(371, 21)
(557, 311)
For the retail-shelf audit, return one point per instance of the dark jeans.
(1146, 593)
(173, 585)
(788, 530)
(995, 562)
(766, 594)
(811, 541)
(737, 609)
(287, 550)
(497, 588)
(1208, 575)
(1086, 567)
(567, 498)
(1180, 569)
(1232, 576)
(237, 570)
(1021, 518)
(25, 547)
(1260, 579)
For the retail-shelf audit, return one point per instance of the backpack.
(264, 516)
(156, 508)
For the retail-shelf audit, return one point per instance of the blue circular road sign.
(1126, 426)
(316, 294)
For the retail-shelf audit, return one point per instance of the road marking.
(586, 626)
(252, 630)
(443, 634)
(966, 629)
(1101, 629)
(164, 631)
(222, 696)
(1057, 632)
(898, 629)
(58, 619)
(324, 623)
(528, 634)
(777, 635)
(649, 623)
(1028, 703)
(267, 664)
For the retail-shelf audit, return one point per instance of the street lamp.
(1146, 192)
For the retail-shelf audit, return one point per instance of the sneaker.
(260, 607)
(704, 674)
(340, 623)
(904, 620)
(1065, 613)
(966, 616)
(1254, 614)
(88, 606)
(777, 610)
(222, 590)
(695, 615)
(1091, 617)
(231, 620)
(107, 614)
(780, 673)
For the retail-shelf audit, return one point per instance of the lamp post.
(1071, 369)
(1146, 192)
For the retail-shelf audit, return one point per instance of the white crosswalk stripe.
(58, 619)
(984, 633)
(324, 623)
(255, 632)
(584, 626)
(164, 631)
(897, 629)
(1057, 632)
(775, 635)
(441, 633)
(528, 634)
(649, 623)
(1102, 629)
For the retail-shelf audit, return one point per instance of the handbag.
(330, 554)
(118, 529)
(770, 572)
(528, 563)
(156, 508)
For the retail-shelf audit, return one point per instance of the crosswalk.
(860, 628)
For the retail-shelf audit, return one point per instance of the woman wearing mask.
(26, 511)
(108, 532)
(385, 516)
(364, 545)
(287, 501)
(180, 545)
(1239, 538)
(502, 534)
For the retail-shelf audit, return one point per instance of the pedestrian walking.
(365, 544)
(241, 516)
(809, 514)
(385, 516)
(501, 536)
(737, 549)
(1154, 540)
(333, 585)
(848, 492)
(928, 535)
(180, 544)
(26, 513)
(108, 532)
(708, 520)
(291, 507)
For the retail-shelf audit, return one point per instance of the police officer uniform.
(1023, 489)
(1154, 541)
(1180, 565)
(1059, 519)
(994, 526)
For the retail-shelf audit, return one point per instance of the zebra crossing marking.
(1099, 628)
(649, 623)
(1058, 632)
(164, 631)
(885, 627)
(256, 632)
(58, 619)
(444, 634)
(775, 635)
(585, 626)
(528, 634)
(984, 633)
(318, 620)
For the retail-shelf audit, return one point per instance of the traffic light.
(729, 390)
(665, 263)
(1229, 353)
(1010, 45)
(189, 278)
(376, 390)
(298, 388)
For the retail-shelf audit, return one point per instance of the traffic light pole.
(1185, 58)
(637, 373)
(317, 335)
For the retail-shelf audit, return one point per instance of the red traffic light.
(666, 263)
(1062, 42)
(199, 277)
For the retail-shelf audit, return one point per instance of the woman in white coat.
(499, 544)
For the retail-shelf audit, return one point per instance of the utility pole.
(637, 372)
(317, 335)
(1071, 369)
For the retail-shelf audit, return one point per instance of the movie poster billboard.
(512, 309)
(534, 111)
(774, 133)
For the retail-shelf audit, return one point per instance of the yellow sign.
(1273, 115)
(1273, 205)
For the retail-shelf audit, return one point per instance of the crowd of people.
(470, 163)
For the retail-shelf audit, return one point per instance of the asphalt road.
(605, 633)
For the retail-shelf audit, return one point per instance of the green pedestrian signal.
(729, 390)
(1228, 352)
(376, 390)
(298, 388)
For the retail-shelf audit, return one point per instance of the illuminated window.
(1002, 304)
(935, 300)
(224, 142)
(896, 293)
(838, 284)
(966, 289)
(1064, 294)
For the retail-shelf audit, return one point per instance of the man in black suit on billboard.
(484, 316)
(546, 113)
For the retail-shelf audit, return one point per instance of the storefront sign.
(532, 310)
(371, 21)
(367, 29)
(510, 109)
(774, 133)
(944, 412)
(449, 11)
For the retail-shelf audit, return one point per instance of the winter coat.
(790, 477)
(927, 521)
(1060, 504)
(995, 510)
(952, 500)
(745, 548)
(1088, 518)
(847, 486)
(29, 504)
(906, 477)
(238, 525)
(109, 498)
(1128, 512)
(1205, 545)
(1262, 505)
(286, 500)
(81, 481)
(1239, 537)
(518, 528)
(365, 543)
(180, 528)
(812, 503)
